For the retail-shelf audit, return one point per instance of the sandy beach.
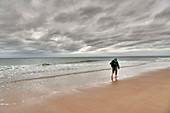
(147, 93)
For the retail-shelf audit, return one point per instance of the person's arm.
(118, 65)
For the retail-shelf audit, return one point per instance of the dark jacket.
(117, 64)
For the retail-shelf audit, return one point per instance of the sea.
(23, 79)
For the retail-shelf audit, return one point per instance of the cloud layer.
(87, 27)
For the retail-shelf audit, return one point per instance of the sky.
(52, 28)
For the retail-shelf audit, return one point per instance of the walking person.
(115, 65)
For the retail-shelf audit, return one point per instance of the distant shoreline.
(86, 57)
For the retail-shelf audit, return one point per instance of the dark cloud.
(80, 15)
(165, 14)
(108, 22)
(139, 43)
(67, 17)
(165, 33)
(143, 17)
(89, 12)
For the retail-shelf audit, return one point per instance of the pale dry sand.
(147, 93)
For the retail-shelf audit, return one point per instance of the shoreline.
(147, 93)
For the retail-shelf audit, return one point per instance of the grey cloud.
(150, 30)
(63, 44)
(76, 24)
(79, 34)
(165, 33)
(165, 14)
(130, 13)
(108, 22)
(137, 8)
(71, 47)
(67, 17)
(19, 16)
(143, 17)
(50, 35)
(81, 15)
(139, 43)
(147, 39)
(37, 22)
(13, 43)
(9, 20)
(59, 4)
(29, 53)
(90, 11)
(104, 20)
(102, 43)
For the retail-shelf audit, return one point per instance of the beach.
(147, 93)
(59, 56)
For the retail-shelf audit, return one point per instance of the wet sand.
(147, 93)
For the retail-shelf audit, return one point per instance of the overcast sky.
(84, 27)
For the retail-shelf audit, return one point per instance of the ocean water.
(30, 78)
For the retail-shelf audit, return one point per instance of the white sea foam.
(167, 59)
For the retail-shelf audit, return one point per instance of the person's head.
(115, 58)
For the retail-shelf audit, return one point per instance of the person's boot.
(115, 77)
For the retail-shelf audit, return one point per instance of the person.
(115, 65)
